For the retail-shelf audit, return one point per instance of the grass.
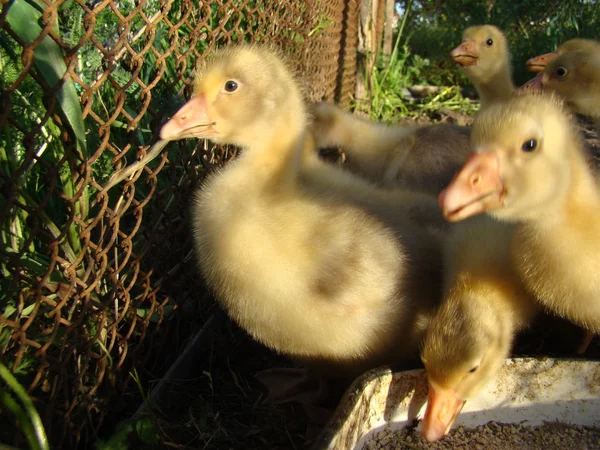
(388, 101)
(393, 74)
(23, 409)
(47, 206)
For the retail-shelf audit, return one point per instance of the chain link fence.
(98, 284)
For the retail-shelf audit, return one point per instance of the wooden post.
(388, 30)
(367, 48)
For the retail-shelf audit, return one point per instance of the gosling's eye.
(489, 42)
(474, 369)
(529, 145)
(231, 86)
(560, 71)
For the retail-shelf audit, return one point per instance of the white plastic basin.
(526, 390)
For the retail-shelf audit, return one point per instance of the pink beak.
(475, 189)
(465, 54)
(533, 85)
(191, 120)
(443, 407)
(538, 63)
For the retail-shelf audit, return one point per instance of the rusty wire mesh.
(94, 282)
(348, 58)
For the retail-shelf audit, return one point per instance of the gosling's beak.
(475, 189)
(533, 85)
(465, 54)
(443, 407)
(538, 63)
(191, 120)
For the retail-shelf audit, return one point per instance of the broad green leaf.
(24, 18)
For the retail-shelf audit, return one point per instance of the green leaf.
(143, 313)
(147, 431)
(24, 18)
(10, 310)
(119, 438)
(144, 429)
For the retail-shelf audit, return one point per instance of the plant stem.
(401, 30)
(397, 43)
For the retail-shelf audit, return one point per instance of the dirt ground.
(221, 408)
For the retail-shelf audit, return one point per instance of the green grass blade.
(10, 404)
(54, 230)
(29, 419)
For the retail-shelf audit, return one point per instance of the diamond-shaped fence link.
(93, 282)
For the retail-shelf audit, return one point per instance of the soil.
(222, 407)
(495, 436)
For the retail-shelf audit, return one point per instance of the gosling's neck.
(498, 88)
(275, 150)
(583, 197)
(579, 200)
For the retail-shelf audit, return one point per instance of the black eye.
(529, 145)
(560, 71)
(473, 369)
(231, 86)
(489, 42)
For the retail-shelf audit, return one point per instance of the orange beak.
(475, 189)
(443, 407)
(465, 54)
(191, 120)
(533, 85)
(538, 63)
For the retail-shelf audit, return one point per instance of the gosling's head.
(241, 94)
(460, 353)
(539, 63)
(575, 77)
(483, 52)
(518, 167)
